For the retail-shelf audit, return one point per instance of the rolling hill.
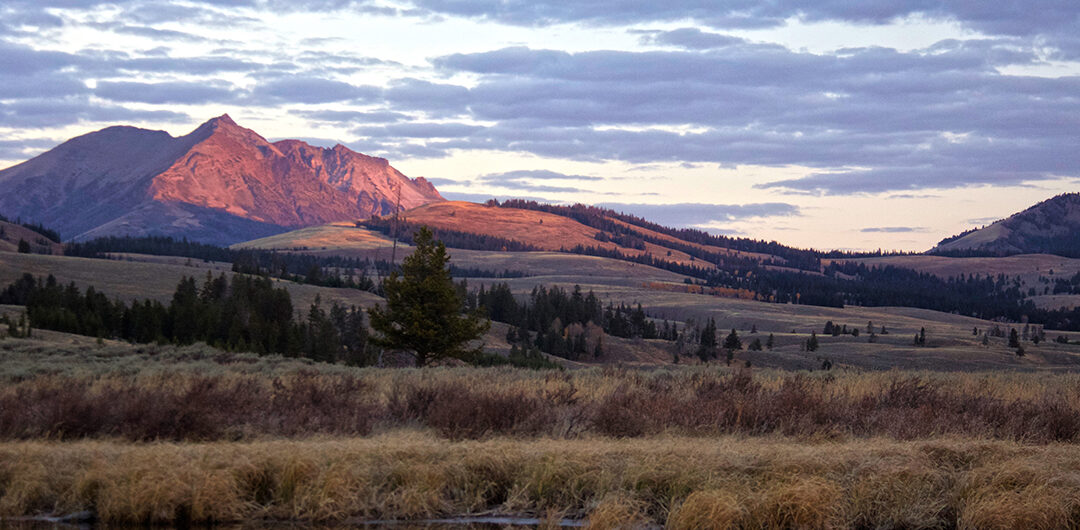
(1050, 227)
(12, 233)
(221, 183)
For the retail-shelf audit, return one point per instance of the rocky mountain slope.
(221, 183)
(1050, 227)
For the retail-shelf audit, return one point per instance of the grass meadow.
(675, 481)
(190, 435)
(167, 435)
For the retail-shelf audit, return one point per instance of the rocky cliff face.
(221, 183)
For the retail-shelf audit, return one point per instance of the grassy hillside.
(1049, 227)
(130, 280)
(334, 236)
(540, 229)
(11, 233)
(951, 344)
(1031, 269)
(1027, 266)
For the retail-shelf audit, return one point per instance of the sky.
(834, 125)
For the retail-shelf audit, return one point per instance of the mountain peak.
(224, 119)
(150, 182)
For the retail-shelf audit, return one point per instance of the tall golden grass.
(699, 483)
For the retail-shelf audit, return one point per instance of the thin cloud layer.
(697, 214)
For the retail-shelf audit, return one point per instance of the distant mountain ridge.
(221, 183)
(1050, 227)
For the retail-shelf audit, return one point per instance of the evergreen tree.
(184, 312)
(423, 311)
(770, 342)
(731, 345)
(732, 341)
(1014, 339)
(24, 246)
(707, 344)
(812, 342)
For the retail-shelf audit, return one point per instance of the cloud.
(538, 174)
(695, 214)
(42, 84)
(16, 59)
(417, 94)
(165, 92)
(911, 117)
(692, 39)
(44, 113)
(202, 65)
(346, 117)
(303, 89)
(894, 229)
(527, 180)
(484, 197)
(24, 149)
(1053, 24)
(418, 130)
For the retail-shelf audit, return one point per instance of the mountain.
(1050, 227)
(222, 183)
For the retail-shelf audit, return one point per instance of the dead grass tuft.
(617, 511)
(708, 510)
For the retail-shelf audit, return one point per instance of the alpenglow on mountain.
(221, 184)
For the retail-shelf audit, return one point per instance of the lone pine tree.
(423, 315)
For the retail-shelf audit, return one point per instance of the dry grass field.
(138, 435)
(951, 344)
(679, 482)
(151, 277)
(542, 230)
(1028, 267)
(12, 233)
(333, 236)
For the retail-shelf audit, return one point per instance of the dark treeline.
(1060, 245)
(476, 272)
(35, 227)
(242, 314)
(1067, 286)
(605, 219)
(324, 271)
(152, 245)
(565, 324)
(451, 238)
(879, 253)
(850, 283)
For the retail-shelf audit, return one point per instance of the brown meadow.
(681, 482)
